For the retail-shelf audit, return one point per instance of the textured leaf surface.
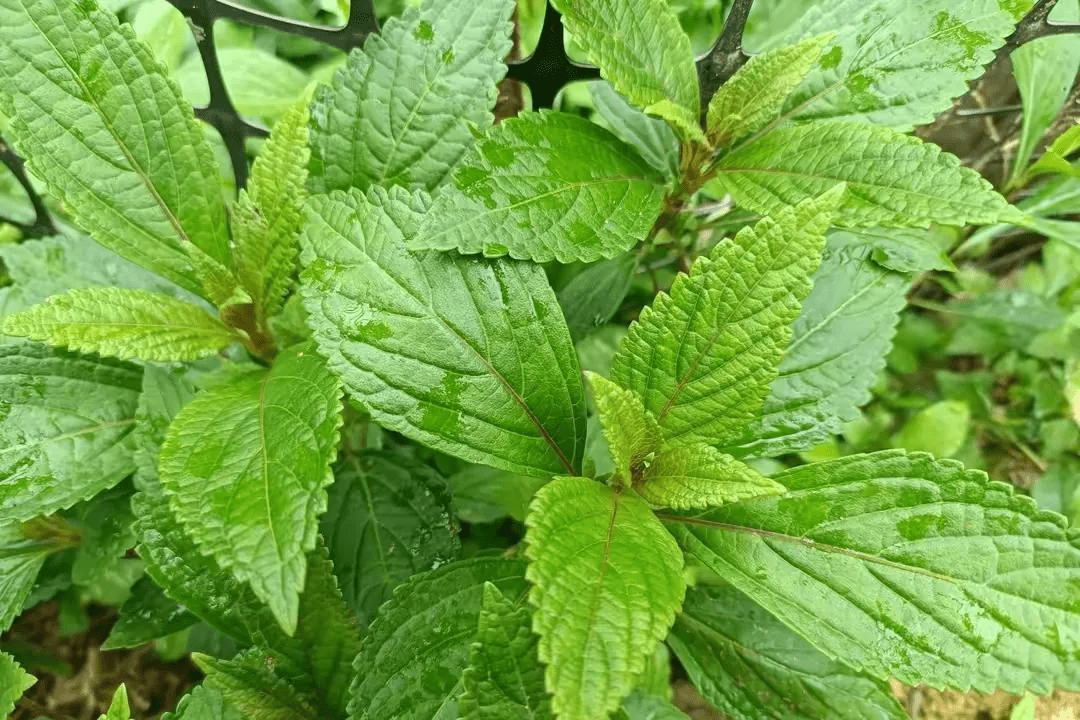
(328, 634)
(545, 186)
(402, 110)
(270, 213)
(632, 433)
(126, 324)
(246, 463)
(595, 294)
(14, 681)
(651, 137)
(469, 356)
(699, 476)
(607, 581)
(837, 349)
(411, 662)
(898, 64)
(485, 494)
(702, 357)
(749, 666)
(20, 560)
(97, 119)
(755, 94)
(910, 567)
(641, 50)
(504, 680)
(65, 428)
(147, 614)
(388, 517)
(203, 703)
(248, 685)
(892, 179)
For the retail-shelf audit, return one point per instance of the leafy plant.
(384, 335)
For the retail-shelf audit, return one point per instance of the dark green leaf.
(593, 296)
(148, 614)
(249, 685)
(203, 703)
(651, 137)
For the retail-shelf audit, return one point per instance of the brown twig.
(726, 55)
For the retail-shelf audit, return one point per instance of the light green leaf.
(933, 575)
(147, 614)
(898, 63)
(119, 709)
(749, 666)
(838, 347)
(410, 665)
(594, 295)
(639, 706)
(20, 559)
(245, 464)
(203, 703)
(607, 581)
(388, 518)
(248, 685)
(1045, 70)
(641, 50)
(469, 356)
(632, 433)
(261, 85)
(893, 180)
(702, 357)
(126, 324)
(651, 137)
(700, 476)
(484, 494)
(504, 680)
(906, 250)
(1025, 709)
(65, 434)
(269, 215)
(327, 633)
(98, 120)
(14, 681)
(545, 186)
(755, 94)
(401, 112)
(939, 429)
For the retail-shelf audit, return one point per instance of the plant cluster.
(643, 333)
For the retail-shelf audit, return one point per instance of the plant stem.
(726, 55)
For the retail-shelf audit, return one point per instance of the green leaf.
(651, 137)
(248, 685)
(388, 518)
(700, 476)
(147, 614)
(702, 357)
(939, 429)
(594, 295)
(21, 558)
(898, 63)
(755, 94)
(112, 137)
(483, 494)
(639, 706)
(328, 634)
(126, 324)
(269, 215)
(838, 347)
(401, 112)
(119, 709)
(410, 665)
(607, 581)
(749, 666)
(105, 534)
(203, 703)
(632, 433)
(892, 179)
(641, 50)
(469, 356)
(65, 433)
(14, 681)
(545, 186)
(504, 680)
(907, 567)
(260, 84)
(905, 250)
(246, 463)
(1045, 70)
